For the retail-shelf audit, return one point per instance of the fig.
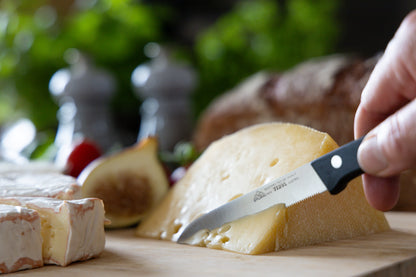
(130, 183)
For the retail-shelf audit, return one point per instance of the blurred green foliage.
(262, 35)
(35, 37)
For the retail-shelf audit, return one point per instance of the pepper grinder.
(164, 86)
(83, 93)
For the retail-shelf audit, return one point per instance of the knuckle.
(396, 136)
(397, 148)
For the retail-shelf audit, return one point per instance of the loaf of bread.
(322, 93)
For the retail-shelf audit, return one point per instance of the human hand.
(387, 114)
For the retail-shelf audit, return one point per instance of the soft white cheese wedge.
(72, 230)
(32, 166)
(20, 239)
(39, 184)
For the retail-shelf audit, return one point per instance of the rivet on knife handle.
(339, 167)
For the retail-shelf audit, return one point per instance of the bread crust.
(322, 93)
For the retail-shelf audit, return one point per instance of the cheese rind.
(31, 166)
(39, 184)
(72, 230)
(20, 239)
(245, 160)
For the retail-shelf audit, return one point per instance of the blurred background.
(67, 64)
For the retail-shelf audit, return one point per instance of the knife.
(331, 172)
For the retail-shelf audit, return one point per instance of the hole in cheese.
(177, 227)
(274, 162)
(235, 197)
(225, 176)
(224, 239)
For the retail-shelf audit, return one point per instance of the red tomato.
(82, 154)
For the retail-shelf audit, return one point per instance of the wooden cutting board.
(391, 253)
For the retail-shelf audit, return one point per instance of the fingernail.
(370, 156)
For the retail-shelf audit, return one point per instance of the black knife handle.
(339, 167)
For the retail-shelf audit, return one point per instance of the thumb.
(390, 148)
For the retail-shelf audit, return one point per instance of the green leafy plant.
(262, 35)
(34, 37)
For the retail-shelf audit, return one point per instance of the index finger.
(393, 81)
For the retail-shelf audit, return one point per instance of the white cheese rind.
(20, 239)
(39, 184)
(32, 166)
(72, 230)
(86, 238)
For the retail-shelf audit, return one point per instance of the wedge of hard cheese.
(72, 230)
(243, 161)
(20, 239)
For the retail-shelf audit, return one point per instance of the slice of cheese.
(72, 230)
(30, 166)
(20, 239)
(38, 184)
(245, 160)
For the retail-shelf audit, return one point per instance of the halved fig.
(130, 183)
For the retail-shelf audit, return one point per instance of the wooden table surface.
(391, 253)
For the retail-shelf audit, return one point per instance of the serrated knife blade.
(331, 172)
